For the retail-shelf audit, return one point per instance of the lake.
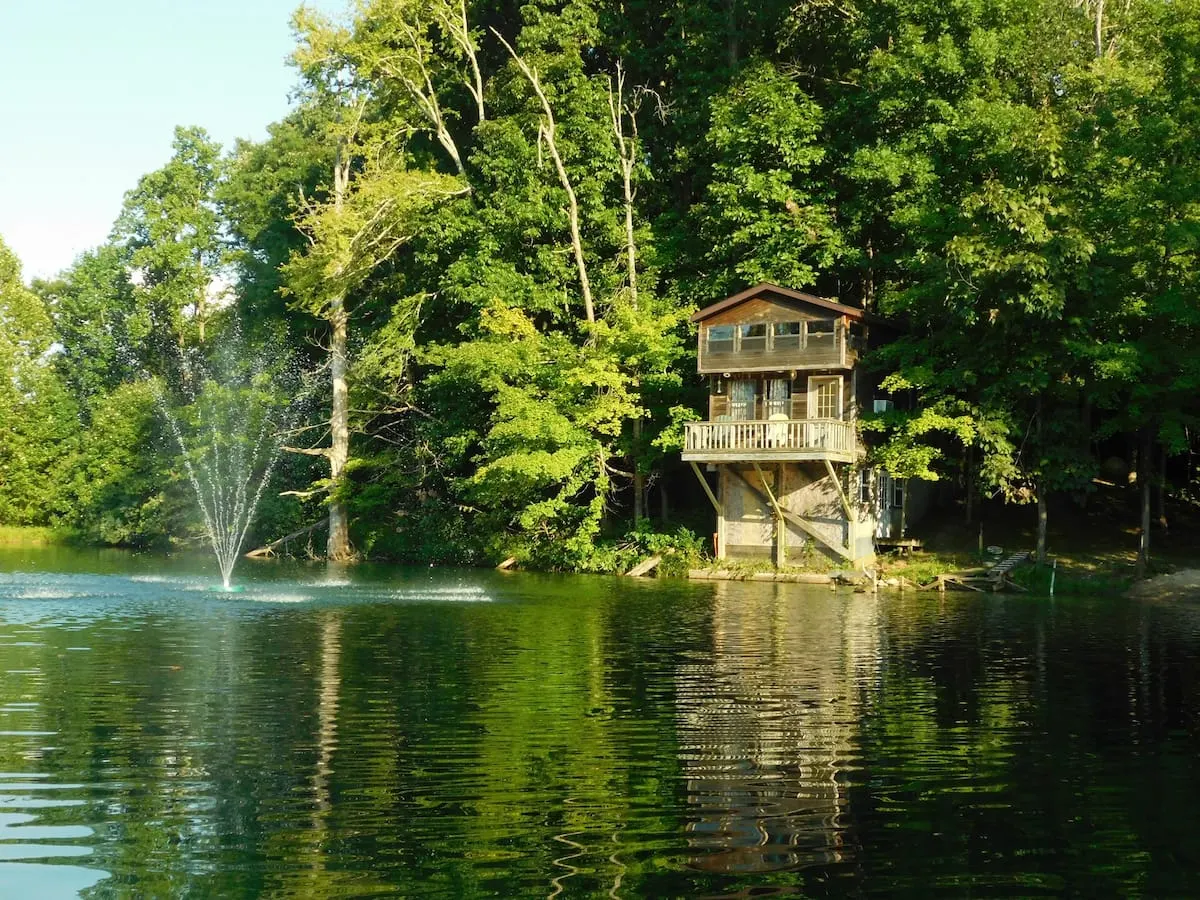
(431, 733)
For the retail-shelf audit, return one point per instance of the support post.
(780, 526)
(846, 507)
(796, 520)
(717, 506)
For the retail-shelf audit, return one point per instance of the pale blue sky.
(91, 90)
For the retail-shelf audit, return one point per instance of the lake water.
(456, 734)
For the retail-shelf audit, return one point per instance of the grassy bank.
(1094, 545)
(28, 536)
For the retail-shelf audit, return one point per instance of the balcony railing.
(795, 439)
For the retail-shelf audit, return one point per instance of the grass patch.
(28, 536)
(1072, 580)
(923, 567)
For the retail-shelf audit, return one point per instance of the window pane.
(779, 397)
(720, 338)
(753, 337)
(820, 326)
(785, 336)
(828, 399)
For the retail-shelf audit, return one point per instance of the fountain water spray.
(231, 452)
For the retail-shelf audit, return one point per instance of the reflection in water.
(329, 685)
(585, 737)
(769, 726)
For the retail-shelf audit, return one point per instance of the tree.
(170, 227)
(37, 417)
(371, 208)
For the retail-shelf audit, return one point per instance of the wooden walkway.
(982, 580)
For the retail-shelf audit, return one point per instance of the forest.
(482, 229)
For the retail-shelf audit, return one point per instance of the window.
(742, 395)
(898, 493)
(825, 398)
(821, 334)
(779, 398)
(864, 486)
(720, 338)
(752, 337)
(785, 336)
(858, 336)
(882, 406)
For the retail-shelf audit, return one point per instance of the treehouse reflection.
(769, 726)
(785, 388)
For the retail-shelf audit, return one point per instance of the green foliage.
(765, 217)
(1021, 203)
(37, 415)
(121, 475)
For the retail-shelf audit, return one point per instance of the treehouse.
(785, 389)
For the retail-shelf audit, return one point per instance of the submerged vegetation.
(484, 226)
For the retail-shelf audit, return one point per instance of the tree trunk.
(1161, 483)
(639, 480)
(338, 546)
(1144, 476)
(1042, 517)
(970, 483)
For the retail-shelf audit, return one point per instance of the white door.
(825, 397)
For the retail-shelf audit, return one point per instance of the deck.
(770, 441)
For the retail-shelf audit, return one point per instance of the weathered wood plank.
(645, 567)
(707, 490)
(269, 549)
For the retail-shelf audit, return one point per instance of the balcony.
(774, 441)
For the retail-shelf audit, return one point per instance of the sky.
(90, 94)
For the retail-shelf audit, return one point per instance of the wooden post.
(780, 527)
(781, 530)
(717, 506)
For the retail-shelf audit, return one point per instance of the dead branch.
(547, 130)
(309, 451)
(460, 32)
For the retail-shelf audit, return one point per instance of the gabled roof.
(853, 312)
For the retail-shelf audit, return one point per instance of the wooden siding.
(842, 354)
(761, 309)
(772, 360)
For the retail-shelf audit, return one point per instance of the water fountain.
(229, 432)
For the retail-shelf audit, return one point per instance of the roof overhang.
(767, 289)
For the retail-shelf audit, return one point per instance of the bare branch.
(547, 131)
(309, 451)
(460, 32)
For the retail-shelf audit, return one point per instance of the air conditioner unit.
(882, 406)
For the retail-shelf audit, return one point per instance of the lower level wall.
(802, 488)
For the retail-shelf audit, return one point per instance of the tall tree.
(370, 207)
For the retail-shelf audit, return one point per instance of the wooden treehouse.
(785, 389)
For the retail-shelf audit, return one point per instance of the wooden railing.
(795, 439)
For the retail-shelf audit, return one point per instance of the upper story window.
(822, 333)
(752, 337)
(812, 334)
(720, 338)
(786, 335)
